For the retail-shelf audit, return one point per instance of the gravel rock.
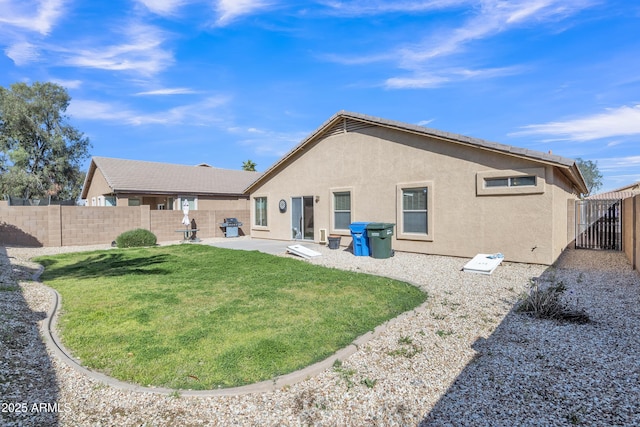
(466, 359)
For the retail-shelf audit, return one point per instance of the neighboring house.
(620, 193)
(163, 186)
(447, 194)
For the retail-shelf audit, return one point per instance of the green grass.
(199, 317)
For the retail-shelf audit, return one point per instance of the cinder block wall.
(24, 225)
(95, 225)
(80, 225)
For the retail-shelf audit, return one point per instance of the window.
(414, 215)
(341, 210)
(509, 182)
(260, 211)
(414, 210)
(193, 203)
(134, 202)
(516, 181)
(110, 201)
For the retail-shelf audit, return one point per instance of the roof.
(343, 120)
(619, 193)
(134, 176)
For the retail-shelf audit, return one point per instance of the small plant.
(136, 238)
(407, 348)
(345, 373)
(441, 333)
(368, 382)
(405, 340)
(175, 394)
(547, 303)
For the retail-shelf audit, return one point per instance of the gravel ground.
(467, 359)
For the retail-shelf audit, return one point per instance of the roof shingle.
(134, 176)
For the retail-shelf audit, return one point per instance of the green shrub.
(136, 238)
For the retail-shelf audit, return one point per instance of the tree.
(591, 174)
(41, 152)
(249, 166)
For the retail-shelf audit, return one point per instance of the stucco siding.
(375, 161)
(98, 187)
(563, 195)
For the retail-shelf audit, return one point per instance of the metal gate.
(599, 224)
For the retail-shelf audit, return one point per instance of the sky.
(224, 81)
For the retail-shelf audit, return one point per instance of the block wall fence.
(81, 225)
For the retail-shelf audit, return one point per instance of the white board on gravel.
(483, 263)
(302, 251)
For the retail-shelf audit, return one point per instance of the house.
(164, 186)
(619, 193)
(447, 194)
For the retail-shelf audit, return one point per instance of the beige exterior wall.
(525, 224)
(97, 188)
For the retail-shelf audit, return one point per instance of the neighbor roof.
(620, 193)
(135, 176)
(333, 125)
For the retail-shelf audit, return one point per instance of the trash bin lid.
(379, 225)
(358, 227)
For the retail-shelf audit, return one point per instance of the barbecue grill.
(231, 226)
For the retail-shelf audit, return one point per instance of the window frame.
(400, 233)
(509, 174)
(254, 207)
(332, 192)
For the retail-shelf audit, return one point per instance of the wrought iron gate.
(599, 224)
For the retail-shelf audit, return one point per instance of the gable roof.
(345, 121)
(619, 193)
(134, 176)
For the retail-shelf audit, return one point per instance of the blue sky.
(223, 81)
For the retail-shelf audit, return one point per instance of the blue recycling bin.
(360, 239)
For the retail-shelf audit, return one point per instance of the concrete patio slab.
(273, 247)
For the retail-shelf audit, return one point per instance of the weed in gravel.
(547, 303)
(407, 348)
(368, 382)
(346, 374)
(405, 340)
(442, 334)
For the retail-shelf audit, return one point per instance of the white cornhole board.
(483, 263)
(302, 251)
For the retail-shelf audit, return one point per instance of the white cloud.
(167, 91)
(141, 51)
(268, 142)
(421, 80)
(163, 7)
(493, 17)
(229, 10)
(359, 7)
(615, 122)
(33, 15)
(198, 114)
(68, 84)
(617, 164)
(430, 60)
(22, 53)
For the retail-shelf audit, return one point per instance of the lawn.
(200, 317)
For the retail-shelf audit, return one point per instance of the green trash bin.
(380, 236)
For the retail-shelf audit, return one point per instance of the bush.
(136, 238)
(548, 304)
